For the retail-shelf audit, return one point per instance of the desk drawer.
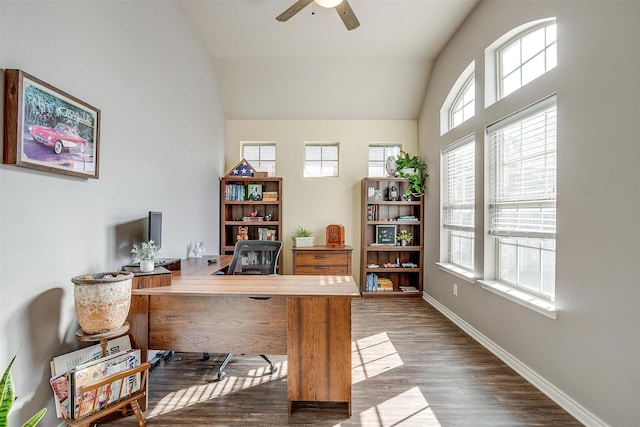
(323, 270)
(322, 259)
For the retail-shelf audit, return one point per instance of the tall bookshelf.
(384, 214)
(262, 218)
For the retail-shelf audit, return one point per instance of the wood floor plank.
(411, 367)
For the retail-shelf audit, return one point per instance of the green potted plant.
(415, 171)
(8, 397)
(405, 237)
(302, 237)
(147, 253)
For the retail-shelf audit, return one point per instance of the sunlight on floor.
(409, 408)
(201, 393)
(373, 356)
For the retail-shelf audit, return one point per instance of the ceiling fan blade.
(292, 10)
(347, 15)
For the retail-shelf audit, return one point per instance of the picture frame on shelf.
(48, 129)
(386, 234)
(254, 192)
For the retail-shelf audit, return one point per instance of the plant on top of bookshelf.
(415, 170)
(8, 397)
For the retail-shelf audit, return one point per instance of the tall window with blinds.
(458, 201)
(522, 197)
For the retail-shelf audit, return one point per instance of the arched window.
(464, 106)
(527, 56)
(460, 104)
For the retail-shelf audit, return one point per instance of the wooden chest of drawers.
(322, 260)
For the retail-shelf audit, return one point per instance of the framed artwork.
(386, 234)
(48, 129)
(254, 191)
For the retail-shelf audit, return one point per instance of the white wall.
(315, 203)
(162, 136)
(591, 351)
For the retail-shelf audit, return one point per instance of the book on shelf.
(372, 282)
(372, 213)
(270, 196)
(408, 289)
(234, 192)
(385, 284)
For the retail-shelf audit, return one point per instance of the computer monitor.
(155, 228)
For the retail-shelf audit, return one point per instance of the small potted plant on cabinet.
(302, 237)
(147, 253)
(404, 236)
(415, 171)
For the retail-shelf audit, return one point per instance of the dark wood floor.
(411, 367)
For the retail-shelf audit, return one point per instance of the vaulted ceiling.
(311, 67)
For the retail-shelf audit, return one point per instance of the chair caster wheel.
(221, 375)
(273, 368)
(206, 356)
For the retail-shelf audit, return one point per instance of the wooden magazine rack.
(125, 398)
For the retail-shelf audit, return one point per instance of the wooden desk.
(201, 266)
(309, 320)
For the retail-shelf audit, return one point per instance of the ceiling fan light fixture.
(328, 3)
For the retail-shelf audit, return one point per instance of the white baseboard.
(551, 391)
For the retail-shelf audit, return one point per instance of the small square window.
(321, 160)
(262, 156)
(378, 154)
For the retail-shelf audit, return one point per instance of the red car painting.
(61, 137)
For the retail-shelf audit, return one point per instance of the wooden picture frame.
(386, 234)
(48, 129)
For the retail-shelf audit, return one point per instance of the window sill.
(457, 271)
(544, 307)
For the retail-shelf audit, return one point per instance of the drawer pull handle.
(323, 267)
(321, 256)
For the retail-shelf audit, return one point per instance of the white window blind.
(459, 186)
(522, 165)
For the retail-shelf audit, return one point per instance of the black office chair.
(252, 257)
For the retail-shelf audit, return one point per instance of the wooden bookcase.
(379, 217)
(236, 210)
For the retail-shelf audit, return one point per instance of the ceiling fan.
(342, 6)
